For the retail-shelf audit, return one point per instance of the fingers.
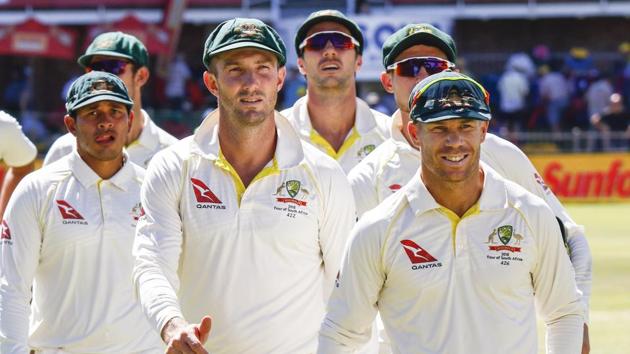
(202, 330)
(186, 342)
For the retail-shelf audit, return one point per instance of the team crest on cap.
(419, 29)
(101, 85)
(104, 43)
(456, 99)
(248, 30)
(325, 13)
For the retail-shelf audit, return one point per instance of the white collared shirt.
(445, 284)
(15, 148)
(151, 140)
(261, 260)
(369, 131)
(394, 163)
(70, 234)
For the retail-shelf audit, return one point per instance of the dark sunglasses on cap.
(411, 67)
(339, 40)
(112, 66)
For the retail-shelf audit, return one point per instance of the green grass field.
(608, 231)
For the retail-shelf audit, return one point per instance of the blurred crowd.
(540, 91)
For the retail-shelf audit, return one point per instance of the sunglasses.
(411, 67)
(113, 66)
(339, 40)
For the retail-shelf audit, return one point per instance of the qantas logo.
(418, 256)
(6, 233)
(205, 198)
(69, 214)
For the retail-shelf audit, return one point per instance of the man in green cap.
(67, 237)
(243, 222)
(457, 258)
(123, 55)
(410, 55)
(331, 116)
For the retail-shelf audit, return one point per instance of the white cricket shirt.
(261, 260)
(371, 128)
(70, 234)
(395, 162)
(15, 148)
(151, 140)
(448, 285)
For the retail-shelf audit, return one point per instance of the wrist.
(171, 327)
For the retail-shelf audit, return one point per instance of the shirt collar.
(288, 152)
(493, 196)
(364, 119)
(88, 178)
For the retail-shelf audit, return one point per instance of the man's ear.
(142, 76)
(300, 63)
(358, 62)
(484, 129)
(413, 131)
(282, 73)
(386, 81)
(210, 80)
(130, 120)
(70, 124)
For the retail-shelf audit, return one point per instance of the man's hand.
(182, 337)
(586, 343)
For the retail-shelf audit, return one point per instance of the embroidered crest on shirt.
(294, 190)
(292, 195)
(506, 242)
(366, 150)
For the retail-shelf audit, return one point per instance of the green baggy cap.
(332, 16)
(448, 95)
(116, 44)
(96, 86)
(414, 34)
(242, 33)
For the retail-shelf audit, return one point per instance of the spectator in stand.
(554, 95)
(624, 85)
(178, 75)
(513, 88)
(616, 120)
(598, 93)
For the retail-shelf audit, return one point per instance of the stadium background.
(41, 39)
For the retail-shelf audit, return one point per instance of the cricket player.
(125, 56)
(244, 223)
(17, 152)
(409, 55)
(331, 116)
(68, 233)
(457, 258)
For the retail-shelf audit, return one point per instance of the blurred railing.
(575, 141)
